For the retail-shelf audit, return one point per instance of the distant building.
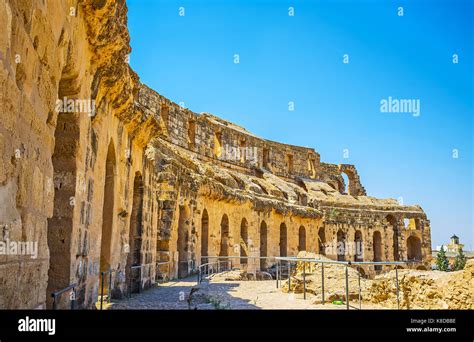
(454, 245)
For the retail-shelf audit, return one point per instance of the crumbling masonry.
(140, 180)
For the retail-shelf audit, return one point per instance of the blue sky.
(299, 58)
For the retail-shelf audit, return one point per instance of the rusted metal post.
(396, 279)
(304, 279)
(289, 276)
(102, 290)
(322, 282)
(347, 287)
(360, 305)
(109, 297)
(277, 273)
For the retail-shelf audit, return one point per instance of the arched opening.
(283, 239)
(217, 144)
(108, 210)
(392, 221)
(263, 244)
(164, 113)
(224, 236)
(289, 163)
(345, 186)
(321, 241)
(311, 167)
(266, 158)
(301, 239)
(377, 247)
(135, 236)
(243, 150)
(341, 246)
(182, 243)
(359, 246)
(414, 248)
(244, 237)
(204, 236)
(60, 225)
(191, 133)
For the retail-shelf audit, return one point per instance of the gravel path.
(218, 294)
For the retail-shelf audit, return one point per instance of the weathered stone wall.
(235, 146)
(134, 180)
(54, 163)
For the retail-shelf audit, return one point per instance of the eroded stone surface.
(141, 180)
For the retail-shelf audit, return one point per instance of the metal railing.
(103, 275)
(72, 296)
(212, 267)
(347, 264)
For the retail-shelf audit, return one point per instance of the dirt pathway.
(218, 294)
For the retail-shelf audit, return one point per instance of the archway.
(60, 225)
(204, 236)
(263, 244)
(341, 246)
(345, 190)
(414, 248)
(283, 239)
(377, 248)
(244, 241)
(182, 243)
(108, 217)
(135, 236)
(393, 223)
(359, 246)
(301, 239)
(224, 251)
(321, 241)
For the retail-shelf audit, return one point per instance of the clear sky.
(283, 58)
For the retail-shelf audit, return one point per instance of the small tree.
(442, 261)
(459, 260)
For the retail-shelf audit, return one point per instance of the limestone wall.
(121, 177)
(215, 138)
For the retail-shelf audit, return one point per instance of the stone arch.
(204, 235)
(392, 221)
(377, 248)
(301, 239)
(134, 257)
(414, 248)
(183, 239)
(344, 184)
(263, 244)
(283, 239)
(321, 241)
(359, 246)
(244, 237)
(60, 225)
(354, 186)
(108, 217)
(341, 245)
(225, 236)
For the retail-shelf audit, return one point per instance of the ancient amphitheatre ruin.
(141, 187)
